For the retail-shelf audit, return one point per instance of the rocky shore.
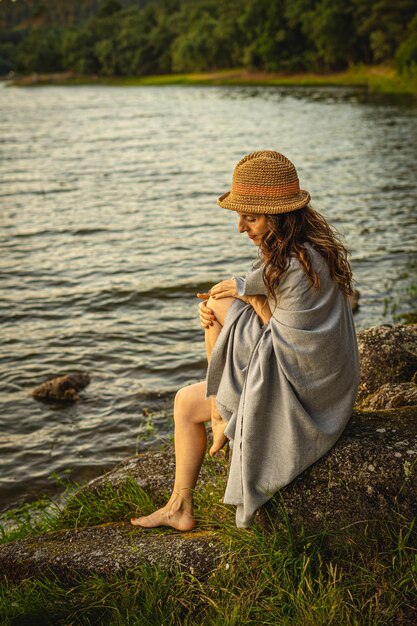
(368, 477)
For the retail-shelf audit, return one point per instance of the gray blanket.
(287, 389)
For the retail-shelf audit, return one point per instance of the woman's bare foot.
(219, 438)
(218, 426)
(167, 516)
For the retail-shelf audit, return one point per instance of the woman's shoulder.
(317, 259)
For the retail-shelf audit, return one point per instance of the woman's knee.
(220, 307)
(183, 404)
(190, 403)
(179, 400)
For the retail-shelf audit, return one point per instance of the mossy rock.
(367, 478)
(154, 472)
(388, 354)
(391, 396)
(107, 550)
(367, 475)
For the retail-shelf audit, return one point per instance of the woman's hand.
(207, 317)
(224, 289)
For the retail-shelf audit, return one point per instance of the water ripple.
(109, 227)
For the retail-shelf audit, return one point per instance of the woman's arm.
(261, 307)
(229, 289)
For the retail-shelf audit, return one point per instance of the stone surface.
(391, 396)
(388, 354)
(369, 474)
(107, 549)
(62, 388)
(154, 472)
(370, 470)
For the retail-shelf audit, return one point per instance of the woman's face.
(254, 225)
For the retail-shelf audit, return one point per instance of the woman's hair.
(284, 238)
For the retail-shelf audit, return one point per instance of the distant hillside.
(144, 37)
(21, 14)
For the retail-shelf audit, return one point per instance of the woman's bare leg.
(191, 410)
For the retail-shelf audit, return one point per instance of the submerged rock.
(106, 550)
(62, 388)
(391, 396)
(388, 354)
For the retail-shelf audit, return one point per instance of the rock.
(106, 550)
(154, 472)
(370, 475)
(354, 300)
(62, 388)
(370, 470)
(388, 354)
(391, 396)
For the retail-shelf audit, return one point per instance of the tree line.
(141, 37)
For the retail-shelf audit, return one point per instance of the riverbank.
(378, 79)
(84, 563)
(335, 546)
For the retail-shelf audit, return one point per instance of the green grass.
(379, 79)
(80, 508)
(266, 577)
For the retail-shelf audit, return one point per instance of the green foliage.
(143, 37)
(7, 57)
(333, 33)
(199, 47)
(406, 55)
(9, 42)
(41, 51)
(80, 508)
(109, 7)
(385, 24)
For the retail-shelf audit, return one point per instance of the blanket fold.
(287, 389)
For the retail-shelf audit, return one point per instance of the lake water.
(109, 227)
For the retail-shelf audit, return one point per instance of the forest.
(146, 37)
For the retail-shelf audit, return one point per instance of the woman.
(281, 345)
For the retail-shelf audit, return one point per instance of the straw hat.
(264, 182)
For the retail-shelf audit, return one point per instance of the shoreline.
(321, 534)
(378, 79)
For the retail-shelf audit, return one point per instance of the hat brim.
(286, 205)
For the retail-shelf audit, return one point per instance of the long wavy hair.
(285, 237)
